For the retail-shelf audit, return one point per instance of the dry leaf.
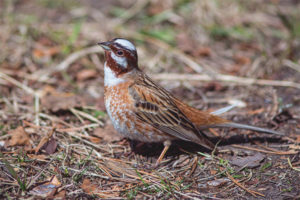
(248, 161)
(121, 167)
(19, 137)
(108, 133)
(46, 189)
(48, 143)
(60, 195)
(213, 172)
(50, 146)
(44, 140)
(89, 187)
(45, 52)
(86, 74)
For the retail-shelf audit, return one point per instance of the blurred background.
(209, 53)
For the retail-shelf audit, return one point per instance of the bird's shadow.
(179, 147)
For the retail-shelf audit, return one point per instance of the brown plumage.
(142, 110)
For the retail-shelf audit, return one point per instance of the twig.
(254, 193)
(17, 83)
(264, 151)
(225, 78)
(292, 65)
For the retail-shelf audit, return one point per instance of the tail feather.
(242, 126)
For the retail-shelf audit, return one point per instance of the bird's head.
(120, 55)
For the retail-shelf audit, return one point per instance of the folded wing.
(154, 106)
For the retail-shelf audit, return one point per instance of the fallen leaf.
(86, 74)
(89, 187)
(242, 60)
(108, 133)
(60, 195)
(121, 167)
(50, 146)
(213, 172)
(248, 161)
(19, 137)
(44, 140)
(45, 52)
(46, 189)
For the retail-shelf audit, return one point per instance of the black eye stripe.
(122, 47)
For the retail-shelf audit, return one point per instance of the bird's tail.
(241, 126)
(204, 120)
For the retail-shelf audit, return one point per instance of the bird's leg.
(167, 144)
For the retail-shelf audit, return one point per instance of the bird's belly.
(120, 108)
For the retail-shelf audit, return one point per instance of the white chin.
(110, 78)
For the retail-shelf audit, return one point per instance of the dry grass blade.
(292, 65)
(254, 193)
(86, 115)
(290, 164)
(291, 152)
(17, 83)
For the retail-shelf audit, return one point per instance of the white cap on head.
(125, 43)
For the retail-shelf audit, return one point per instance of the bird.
(142, 110)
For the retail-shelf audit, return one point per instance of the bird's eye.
(120, 53)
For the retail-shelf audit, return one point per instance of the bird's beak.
(105, 45)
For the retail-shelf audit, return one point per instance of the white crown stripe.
(126, 44)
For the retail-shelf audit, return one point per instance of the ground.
(56, 139)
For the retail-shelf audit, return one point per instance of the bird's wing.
(154, 106)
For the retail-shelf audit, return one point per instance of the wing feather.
(154, 105)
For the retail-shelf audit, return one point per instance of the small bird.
(142, 110)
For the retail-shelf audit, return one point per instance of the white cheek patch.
(126, 44)
(110, 78)
(120, 60)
